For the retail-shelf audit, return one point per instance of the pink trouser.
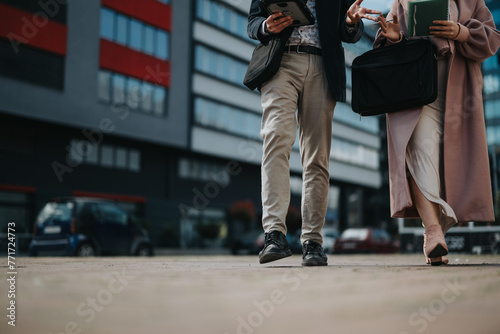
(299, 86)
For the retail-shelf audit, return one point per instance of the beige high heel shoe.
(435, 247)
(436, 261)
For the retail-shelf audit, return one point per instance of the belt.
(303, 49)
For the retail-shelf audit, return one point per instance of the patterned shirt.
(306, 35)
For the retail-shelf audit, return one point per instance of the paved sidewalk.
(234, 294)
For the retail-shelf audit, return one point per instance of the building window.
(219, 65)
(104, 155)
(134, 34)
(203, 171)
(138, 95)
(226, 118)
(344, 114)
(354, 153)
(223, 17)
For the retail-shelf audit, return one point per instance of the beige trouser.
(300, 85)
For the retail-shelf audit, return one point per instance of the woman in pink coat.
(438, 158)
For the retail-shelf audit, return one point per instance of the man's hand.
(277, 22)
(356, 13)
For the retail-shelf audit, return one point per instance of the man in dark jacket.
(311, 79)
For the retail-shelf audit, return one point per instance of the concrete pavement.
(235, 294)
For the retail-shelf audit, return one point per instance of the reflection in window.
(219, 65)
(354, 153)
(122, 29)
(120, 157)
(138, 95)
(162, 44)
(223, 117)
(159, 100)
(107, 23)
(224, 17)
(136, 38)
(133, 93)
(104, 86)
(118, 89)
(343, 113)
(135, 34)
(107, 156)
(134, 160)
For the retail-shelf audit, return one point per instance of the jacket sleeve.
(349, 34)
(478, 38)
(256, 16)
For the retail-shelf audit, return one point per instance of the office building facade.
(143, 103)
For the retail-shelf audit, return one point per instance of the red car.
(365, 240)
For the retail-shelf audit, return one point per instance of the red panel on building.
(119, 198)
(22, 27)
(19, 189)
(120, 59)
(149, 11)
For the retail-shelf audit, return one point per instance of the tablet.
(297, 9)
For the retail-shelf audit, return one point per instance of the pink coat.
(466, 181)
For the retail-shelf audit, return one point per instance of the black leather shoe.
(275, 247)
(313, 254)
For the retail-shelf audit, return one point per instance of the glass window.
(111, 213)
(107, 24)
(214, 12)
(223, 17)
(159, 100)
(56, 211)
(136, 32)
(161, 44)
(219, 65)
(149, 40)
(92, 157)
(184, 168)
(133, 93)
(104, 86)
(121, 157)
(74, 155)
(134, 160)
(107, 156)
(118, 89)
(147, 97)
(121, 29)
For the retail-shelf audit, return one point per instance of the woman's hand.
(390, 29)
(356, 13)
(277, 22)
(445, 29)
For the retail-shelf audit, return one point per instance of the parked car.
(87, 227)
(365, 240)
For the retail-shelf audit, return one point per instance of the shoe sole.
(314, 263)
(438, 251)
(270, 257)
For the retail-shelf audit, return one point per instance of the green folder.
(422, 13)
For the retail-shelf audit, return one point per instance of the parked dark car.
(87, 227)
(365, 240)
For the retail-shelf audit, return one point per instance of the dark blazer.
(333, 30)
